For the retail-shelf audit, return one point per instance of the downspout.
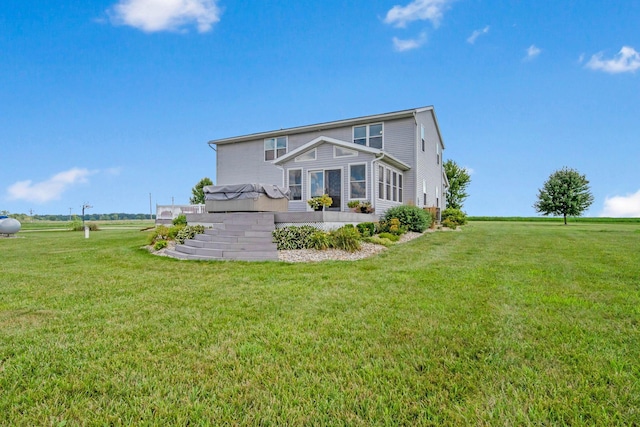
(215, 151)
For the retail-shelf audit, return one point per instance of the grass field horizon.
(503, 323)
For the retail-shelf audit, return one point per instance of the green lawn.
(503, 323)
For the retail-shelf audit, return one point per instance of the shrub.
(319, 240)
(389, 236)
(449, 224)
(293, 237)
(453, 217)
(188, 232)
(76, 225)
(180, 220)
(161, 232)
(160, 244)
(346, 238)
(412, 217)
(377, 240)
(392, 226)
(366, 229)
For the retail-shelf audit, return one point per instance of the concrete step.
(206, 252)
(224, 246)
(183, 256)
(215, 238)
(234, 236)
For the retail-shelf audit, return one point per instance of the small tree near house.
(565, 193)
(198, 191)
(459, 179)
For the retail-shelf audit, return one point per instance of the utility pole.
(85, 206)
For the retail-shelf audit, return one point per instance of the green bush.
(188, 232)
(180, 220)
(452, 218)
(392, 226)
(161, 232)
(346, 238)
(76, 225)
(293, 237)
(377, 240)
(319, 240)
(389, 236)
(366, 229)
(160, 244)
(412, 217)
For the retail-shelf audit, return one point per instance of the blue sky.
(107, 102)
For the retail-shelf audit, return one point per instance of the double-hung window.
(381, 182)
(368, 135)
(295, 184)
(390, 184)
(274, 148)
(357, 181)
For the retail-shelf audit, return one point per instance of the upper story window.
(275, 147)
(438, 153)
(369, 135)
(422, 136)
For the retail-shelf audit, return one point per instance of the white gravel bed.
(313, 255)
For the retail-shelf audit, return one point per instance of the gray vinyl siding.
(400, 142)
(244, 163)
(428, 169)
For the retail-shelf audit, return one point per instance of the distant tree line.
(87, 217)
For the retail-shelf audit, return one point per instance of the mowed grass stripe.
(501, 323)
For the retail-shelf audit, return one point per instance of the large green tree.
(565, 193)
(459, 179)
(198, 191)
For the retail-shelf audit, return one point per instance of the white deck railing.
(167, 213)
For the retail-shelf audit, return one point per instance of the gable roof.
(379, 154)
(328, 125)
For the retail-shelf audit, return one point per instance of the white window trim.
(368, 136)
(301, 184)
(366, 184)
(324, 182)
(275, 149)
(391, 189)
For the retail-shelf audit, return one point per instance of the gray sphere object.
(9, 226)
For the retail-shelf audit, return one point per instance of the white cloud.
(622, 206)
(477, 33)
(417, 10)
(404, 45)
(165, 15)
(51, 189)
(532, 52)
(626, 61)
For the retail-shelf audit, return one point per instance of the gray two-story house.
(387, 159)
